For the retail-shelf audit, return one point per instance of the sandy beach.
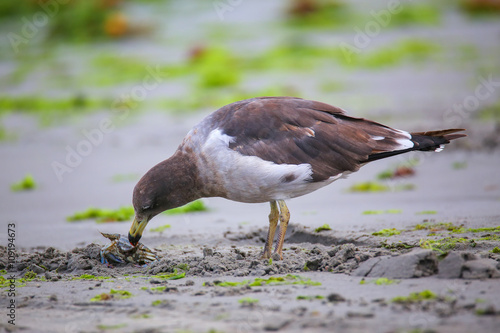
(407, 244)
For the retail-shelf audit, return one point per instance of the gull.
(270, 149)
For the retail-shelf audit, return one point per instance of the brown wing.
(296, 131)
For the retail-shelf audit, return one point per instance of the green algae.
(369, 186)
(462, 230)
(20, 281)
(111, 327)
(446, 244)
(158, 289)
(101, 297)
(286, 280)
(427, 212)
(396, 246)
(248, 300)
(216, 67)
(29, 275)
(83, 21)
(175, 275)
(195, 206)
(437, 226)
(47, 107)
(6, 283)
(385, 281)
(110, 69)
(380, 212)
(373, 212)
(307, 57)
(90, 277)
(229, 283)
(340, 15)
(401, 170)
(415, 297)
(18, 8)
(161, 228)
(309, 298)
(386, 174)
(324, 227)
(386, 232)
(322, 15)
(405, 51)
(380, 281)
(289, 279)
(121, 293)
(113, 294)
(101, 215)
(416, 14)
(25, 184)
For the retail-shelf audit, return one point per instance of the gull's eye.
(146, 207)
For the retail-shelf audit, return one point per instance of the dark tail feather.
(424, 141)
(433, 140)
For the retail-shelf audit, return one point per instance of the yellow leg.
(284, 218)
(273, 223)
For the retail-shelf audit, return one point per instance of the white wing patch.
(404, 143)
(439, 149)
(252, 179)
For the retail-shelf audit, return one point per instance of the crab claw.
(112, 257)
(111, 237)
(145, 255)
(103, 259)
(150, 256)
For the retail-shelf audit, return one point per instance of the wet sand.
(339, 259)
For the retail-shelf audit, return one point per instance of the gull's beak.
(135, 233)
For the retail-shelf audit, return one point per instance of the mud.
(322, 287)
(305, 252)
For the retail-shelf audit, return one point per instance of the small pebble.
(171, 290)
(276, 257)
(208, 252)
(352, 314)
(335, 298)
(153, 281)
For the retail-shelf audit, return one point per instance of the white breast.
(250, 178)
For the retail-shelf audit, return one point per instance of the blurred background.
(94, 92)
(69, 57)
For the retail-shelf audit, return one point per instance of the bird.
(270, 149)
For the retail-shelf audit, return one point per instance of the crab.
(120, 251)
